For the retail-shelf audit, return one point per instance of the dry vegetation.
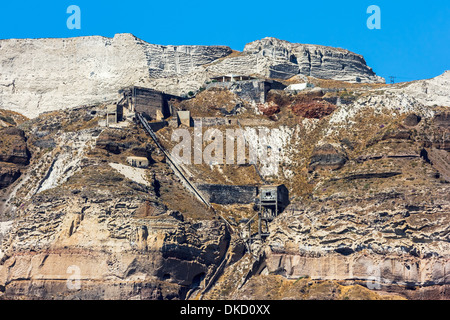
(335, 84)
(217, 174)
(209, 103)
(11, 118)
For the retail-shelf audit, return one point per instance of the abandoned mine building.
(138, 162)
(114, 113)
(152, 104)
(250, 89)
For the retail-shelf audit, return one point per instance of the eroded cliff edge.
(40, 75)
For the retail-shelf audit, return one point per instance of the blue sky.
(413, 42)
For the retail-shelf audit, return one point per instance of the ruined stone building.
(153, 104)
(138, 162)
(250, 89)
(114, 113)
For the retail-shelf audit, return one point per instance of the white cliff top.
(40, 75)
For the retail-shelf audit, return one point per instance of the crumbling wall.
(156, 126)
(228, 194)
(148, 101)
(212, 121)
(253, 91)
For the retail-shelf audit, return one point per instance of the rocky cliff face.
(431, 92)
(39, 75)
(378, 213)
(77, 216)
(288, 59)
(380, 218)
(368, 182)
(366, 166)
(368, 218)
(274, 58)
(14, 155)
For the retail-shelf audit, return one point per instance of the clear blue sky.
(413, 43)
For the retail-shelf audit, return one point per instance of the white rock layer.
(40, 75)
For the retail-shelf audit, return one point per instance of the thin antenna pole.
(392, 79)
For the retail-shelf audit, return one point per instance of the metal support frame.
(268, 210)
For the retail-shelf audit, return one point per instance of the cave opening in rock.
(424, 156)
(197, 280)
